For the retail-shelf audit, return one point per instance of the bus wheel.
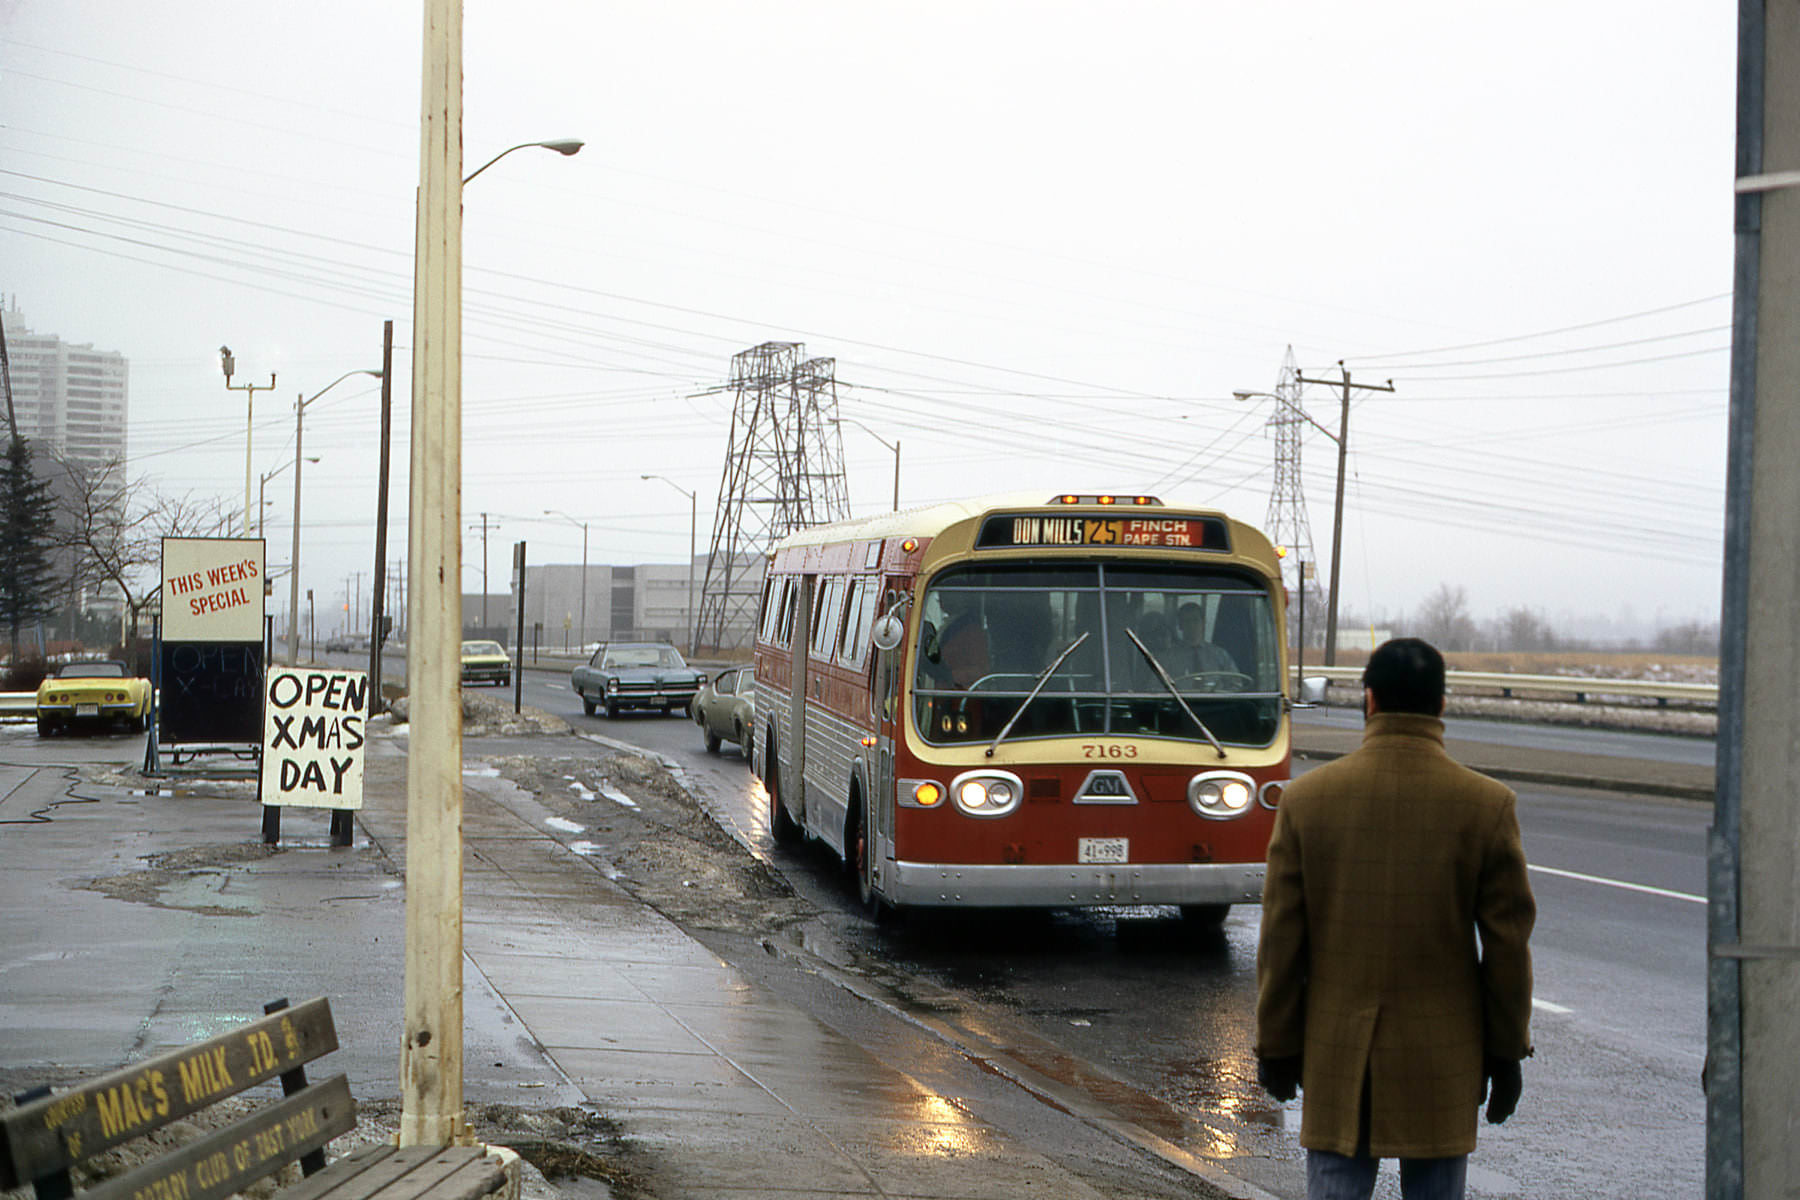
(782, 827)
(862, 854)
(1205, 918)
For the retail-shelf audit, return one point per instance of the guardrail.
(1582, 687)
(18, 704)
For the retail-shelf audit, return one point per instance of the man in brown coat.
(1372, 993)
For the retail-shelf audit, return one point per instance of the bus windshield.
(987, 632)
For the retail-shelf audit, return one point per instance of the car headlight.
(1221, 795)
(986, 793)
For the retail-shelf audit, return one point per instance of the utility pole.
(229, 363)
(484, 527)
(431, 1056)
(1337, 511)
(379, 608)
(1753, 908)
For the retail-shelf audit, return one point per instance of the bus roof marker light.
(909, 545)
(1107, 499)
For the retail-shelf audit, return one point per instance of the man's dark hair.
(1407, 676)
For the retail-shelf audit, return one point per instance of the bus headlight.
(986, 793)
(1221, 795)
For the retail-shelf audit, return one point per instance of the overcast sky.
(1044, 242)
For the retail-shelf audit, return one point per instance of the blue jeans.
(1340, 1177)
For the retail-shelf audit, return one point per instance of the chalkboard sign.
(210, 692)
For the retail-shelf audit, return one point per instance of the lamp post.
(229, 364)
(262, 484)
(551, 512)
(693, 521)
(564, 146)
(293, 654)
(893, 445)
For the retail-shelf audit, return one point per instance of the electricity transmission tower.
(784, 470)
(1286, 523)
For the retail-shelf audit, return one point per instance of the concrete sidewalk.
(731, 1090)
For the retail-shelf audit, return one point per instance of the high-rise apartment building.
(69, 399)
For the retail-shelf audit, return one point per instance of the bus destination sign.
(1188, 533)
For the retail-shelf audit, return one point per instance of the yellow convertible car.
(92, 693)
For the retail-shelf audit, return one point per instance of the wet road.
(1613, 1105)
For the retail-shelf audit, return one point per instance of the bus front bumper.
(927, 885)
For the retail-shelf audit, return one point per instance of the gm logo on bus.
(1106, 787)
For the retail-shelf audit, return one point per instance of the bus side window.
(856, 623)
(771, 607)
(788, 603)
(827, 621)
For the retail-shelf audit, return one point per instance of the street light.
(551, 512)
(693, 632)
(293, 654)
(229, 364)
(893, 445)
(565, 147)
(262, 483)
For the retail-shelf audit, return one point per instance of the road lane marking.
(1620, 883)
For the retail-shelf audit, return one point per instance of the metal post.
(693, 523)
(519, 634)
(584, 582)
(896, 474)
(431, 1081)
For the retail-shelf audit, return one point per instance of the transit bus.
(1062, 702)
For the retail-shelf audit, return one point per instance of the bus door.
(884, 701)
(793, 778)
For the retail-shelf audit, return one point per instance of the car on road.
(725, 709)
(485, 662)
(92, 693)
(623, 675)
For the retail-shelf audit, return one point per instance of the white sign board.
(212, 589)
(313, 733)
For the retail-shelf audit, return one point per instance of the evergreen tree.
(27, 519)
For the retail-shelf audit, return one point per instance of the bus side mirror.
(1312, 689)
(887, 633)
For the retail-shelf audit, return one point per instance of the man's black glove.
(1280, 1077)
(1502, 1085)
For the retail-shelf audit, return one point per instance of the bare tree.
(1443, 619)
(1691, 637)
(115, 527)
(1525, 629)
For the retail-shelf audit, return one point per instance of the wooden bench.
(50, 1132)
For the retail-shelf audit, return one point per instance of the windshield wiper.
(1174, 691)
(1037, 685)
